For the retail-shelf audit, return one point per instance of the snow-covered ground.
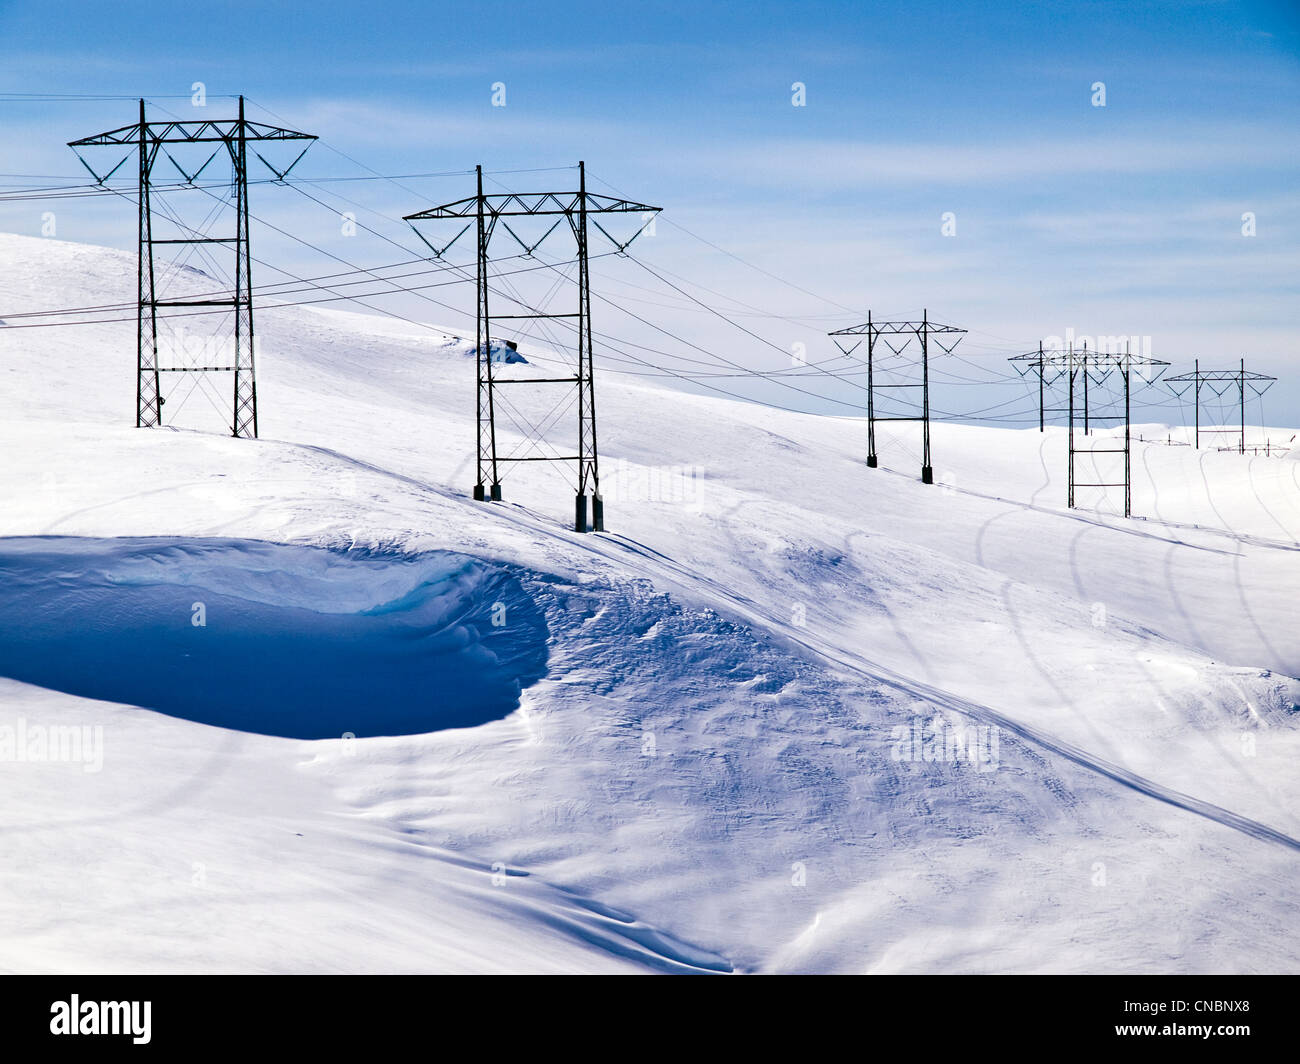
(788, 714)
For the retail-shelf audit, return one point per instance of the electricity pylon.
(149, 138)
(484, 212)
(923, 330)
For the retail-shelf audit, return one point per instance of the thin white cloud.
(852, 163)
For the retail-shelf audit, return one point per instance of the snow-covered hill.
(788, 714)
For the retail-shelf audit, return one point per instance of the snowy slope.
(702, 741)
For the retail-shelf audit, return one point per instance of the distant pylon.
(1078, 369)
(923, 330)
(1048, 371)
(1219, 381)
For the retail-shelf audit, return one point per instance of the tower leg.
(588, 467)
(245, 394)
(148, 388)
(496, 492)
(872, 461)
(927, 474)
(478, 492)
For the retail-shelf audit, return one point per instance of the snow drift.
(733, 733)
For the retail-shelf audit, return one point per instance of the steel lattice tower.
(923, 331)
(1078, 368)
(484, 212)
(1219, 381)
(1040, 362)
(149, 138)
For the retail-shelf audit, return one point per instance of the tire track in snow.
(687, 578)
(877, 673)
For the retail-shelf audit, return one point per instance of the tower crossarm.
(510, 204)
(888, 328)
(1218, 375)
(211, 132)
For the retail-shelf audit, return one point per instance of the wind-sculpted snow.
(280, 640)
(787, 714)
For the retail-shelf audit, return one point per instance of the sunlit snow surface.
(690, 745)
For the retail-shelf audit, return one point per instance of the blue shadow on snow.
(302, 642)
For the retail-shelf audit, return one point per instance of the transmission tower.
(483, 212)
(1048, 372)
(849, 340)
(1220, 382)
(1080, 369)
(148, 139)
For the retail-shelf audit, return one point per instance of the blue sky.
(1123, 219)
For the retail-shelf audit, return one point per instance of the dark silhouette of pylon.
(149, 138)
(922, 330)
(1258, 383)
(484, 212)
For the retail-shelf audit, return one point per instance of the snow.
(689, 747)
(279, 640)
